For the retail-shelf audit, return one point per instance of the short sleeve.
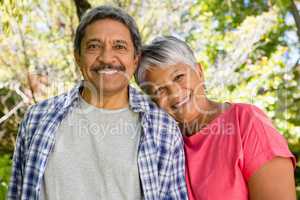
(261, 141)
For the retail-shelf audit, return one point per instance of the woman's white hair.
(164, 51)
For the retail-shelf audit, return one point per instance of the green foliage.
(230, 14)
(264, 75)
(5, 171)
(8, 129)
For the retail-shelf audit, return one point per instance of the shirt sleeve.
(16, 179)
(176, 181)
(261, 141)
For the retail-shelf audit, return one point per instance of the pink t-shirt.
(221, 158)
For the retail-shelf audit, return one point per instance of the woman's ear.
(199, 66)
(199, 70)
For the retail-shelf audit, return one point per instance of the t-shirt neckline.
(221, 115)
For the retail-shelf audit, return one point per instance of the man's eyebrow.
(120, 41)
(93, 40)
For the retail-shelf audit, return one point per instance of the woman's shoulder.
(240, 114)
(260, 139)
(246, 107)
(248, 117)
(246, 111)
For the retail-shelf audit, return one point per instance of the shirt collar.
(73, 95)
(138, 101)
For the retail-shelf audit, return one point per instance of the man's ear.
(136, 60)
(77, 58)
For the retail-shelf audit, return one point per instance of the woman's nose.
(174, 91)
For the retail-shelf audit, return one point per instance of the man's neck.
(107, 101)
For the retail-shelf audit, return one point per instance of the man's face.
(106, 57)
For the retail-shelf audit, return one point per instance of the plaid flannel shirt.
(160, 157)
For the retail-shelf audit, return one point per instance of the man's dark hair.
(108, 12)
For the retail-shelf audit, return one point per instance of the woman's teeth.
(179, 104)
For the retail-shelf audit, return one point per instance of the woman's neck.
(209, 111)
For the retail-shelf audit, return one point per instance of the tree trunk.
(296, 15)
(81, 7)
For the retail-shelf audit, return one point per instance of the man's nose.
(106, 55)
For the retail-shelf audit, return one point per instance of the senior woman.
(233, 152)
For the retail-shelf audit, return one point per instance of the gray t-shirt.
(95, 156)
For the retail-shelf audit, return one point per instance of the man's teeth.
(107, 71)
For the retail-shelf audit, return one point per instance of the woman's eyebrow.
(174, 72)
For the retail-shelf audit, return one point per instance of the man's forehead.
(100, 40)
(107, 25)
(108, 29)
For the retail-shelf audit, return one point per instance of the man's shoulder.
(39, 115)
(50, 106)
(158, 122)
(159, 114)
(50, 103)
(161, 127)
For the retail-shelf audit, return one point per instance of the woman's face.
(177, 89)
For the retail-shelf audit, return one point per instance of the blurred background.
(250, 50)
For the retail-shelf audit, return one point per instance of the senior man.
(103, 139)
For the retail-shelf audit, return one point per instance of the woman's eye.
(179, 77)
(160, 91)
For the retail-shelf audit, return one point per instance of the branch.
(6, 63)
(296, 63)
(296, 15)
(12, 111)
(24, 97)
(27, 62)
(81, 7)
(25, 100)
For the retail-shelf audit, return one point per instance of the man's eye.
(119, 46)
(179, 77)
(93, 46)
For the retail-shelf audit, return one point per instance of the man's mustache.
(108, 66)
